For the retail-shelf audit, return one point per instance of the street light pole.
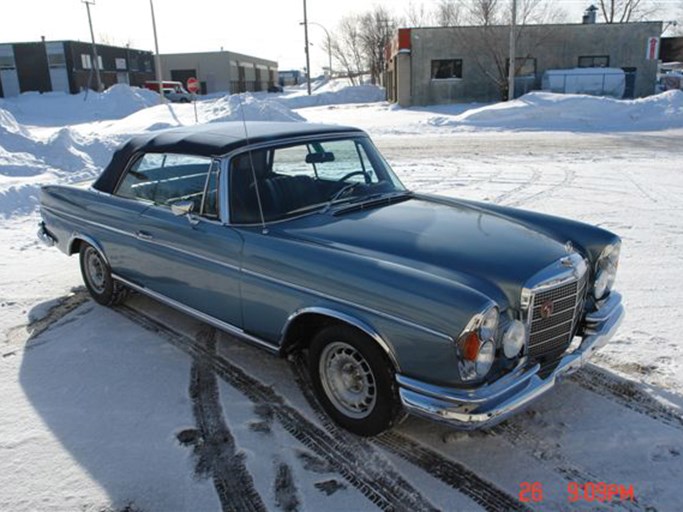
(329, 44)
(96, 62)
(512, 63)
(157, 58)
(308, 60)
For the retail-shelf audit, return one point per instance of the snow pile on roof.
(249, 107)
(559, 112)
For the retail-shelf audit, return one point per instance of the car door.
(192, 259)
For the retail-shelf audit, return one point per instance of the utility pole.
(96, 60)
(157, 58)
(512, 63)
(308, 60)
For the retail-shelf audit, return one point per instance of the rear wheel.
(353, 380)
(97, 277)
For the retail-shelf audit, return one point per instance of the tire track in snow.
(215, 448)
(533, 179)
(567, 180)
(626, 393)
(451, 473)
(367, 471)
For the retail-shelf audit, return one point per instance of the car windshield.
(293, 179)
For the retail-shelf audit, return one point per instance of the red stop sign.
(192, 85)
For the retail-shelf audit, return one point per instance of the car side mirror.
(182, 208)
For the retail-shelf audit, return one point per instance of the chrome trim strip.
(92, 223)
(359, 324)
(215, 322)
(345, 302)
(490, 404)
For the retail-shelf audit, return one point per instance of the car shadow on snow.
(114, 396)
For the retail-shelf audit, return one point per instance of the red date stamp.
(532, 492)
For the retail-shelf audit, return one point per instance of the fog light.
(514, 339)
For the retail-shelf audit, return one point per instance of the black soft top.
(209, 140)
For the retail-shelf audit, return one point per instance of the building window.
(120, 64)
(445, 69)
(594, 61)
(525, 66)
(6, 62)
(86, 61)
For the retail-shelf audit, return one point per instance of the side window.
(165, 179)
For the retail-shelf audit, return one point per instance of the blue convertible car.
(299, 237)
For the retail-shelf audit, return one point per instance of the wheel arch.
(74, 245)
(305, 322)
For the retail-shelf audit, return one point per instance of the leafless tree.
(490, 42)
(623, 11)
(359, 42)
(347, 47)
(377, 26)
(417, 15)
(448, 13)
(485, 12)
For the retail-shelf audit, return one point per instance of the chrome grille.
(550, 337)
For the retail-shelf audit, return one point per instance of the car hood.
(468, 245)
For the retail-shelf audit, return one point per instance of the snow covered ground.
(143, 408)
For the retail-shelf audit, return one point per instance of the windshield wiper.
(338, 194)
(381, 195)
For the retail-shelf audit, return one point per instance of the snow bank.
(331, 94)
(559, 112)
(52, 108)
(234, 107)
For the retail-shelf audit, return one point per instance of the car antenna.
(251, 164)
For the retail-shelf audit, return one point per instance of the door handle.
(143, 235)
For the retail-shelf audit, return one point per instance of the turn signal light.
(469, 346)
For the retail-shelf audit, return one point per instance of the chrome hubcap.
(348, 380)
(94, 270)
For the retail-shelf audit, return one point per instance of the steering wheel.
(355, 173)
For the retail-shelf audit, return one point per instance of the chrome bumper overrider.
(44, 236)
(492, 403)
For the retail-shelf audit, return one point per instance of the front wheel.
(97, 277)
(353, 380)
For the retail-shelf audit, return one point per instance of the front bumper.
(469, 409)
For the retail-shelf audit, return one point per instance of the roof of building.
(214, 139)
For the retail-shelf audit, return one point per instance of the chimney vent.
(590, 15)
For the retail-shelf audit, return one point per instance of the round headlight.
(601, 285)
(514, 339)
(606, 270)
(489, 325)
